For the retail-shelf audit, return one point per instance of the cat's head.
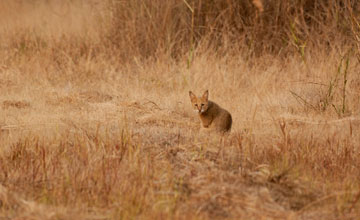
(200, 104)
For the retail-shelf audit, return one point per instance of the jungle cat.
(212, 116)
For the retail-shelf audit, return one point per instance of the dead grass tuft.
(15, 104)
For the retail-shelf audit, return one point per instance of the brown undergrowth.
(96, 122)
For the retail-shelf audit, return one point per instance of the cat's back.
(222, 118)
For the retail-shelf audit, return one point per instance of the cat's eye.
(196, 105)
(202, 104)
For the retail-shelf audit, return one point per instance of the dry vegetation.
(96, 122)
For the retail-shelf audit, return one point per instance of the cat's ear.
(206, 95)
(192, 96)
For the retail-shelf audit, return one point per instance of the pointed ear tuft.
(206, 95)
(192, 96)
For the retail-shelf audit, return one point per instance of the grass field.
(96, 120)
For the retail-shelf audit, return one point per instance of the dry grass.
(96, 122)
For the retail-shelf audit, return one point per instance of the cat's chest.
(206, 120)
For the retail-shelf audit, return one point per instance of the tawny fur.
(212, 116)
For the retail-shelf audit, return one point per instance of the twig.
(151, 102)
(302, 99)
